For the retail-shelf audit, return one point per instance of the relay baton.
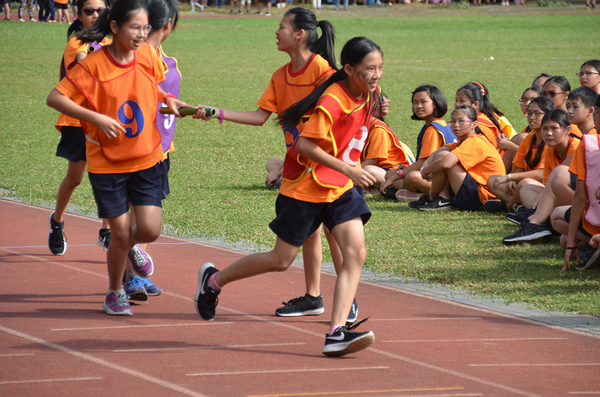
(187, 111)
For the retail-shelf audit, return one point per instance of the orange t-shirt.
(578, 168)
(489, 129)
(481, 160)
(74, 47)
(127, 93)
(383, 146)
(576, 131)
(552, 161)
(519, 159)
(323, 127)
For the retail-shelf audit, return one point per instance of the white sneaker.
(32, 20)
(21, 20)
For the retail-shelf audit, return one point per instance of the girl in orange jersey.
(528, 165)
(589, 75)
(312, 61)
(459, 171)
(72, 140)
(429, 105)
(319, 174)
(114, 92)
(557, 88)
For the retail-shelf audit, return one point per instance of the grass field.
(217, 174)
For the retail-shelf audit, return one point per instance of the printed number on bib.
(352, 153)
(133, 109)
(169, 118)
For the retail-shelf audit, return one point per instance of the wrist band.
(508, 176)
(401, 173)
(169, 96)
(221, 111)
(570, 248)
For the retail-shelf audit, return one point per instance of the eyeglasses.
(552, 94)
(535, 114)
(90, 11)
(140, 29)
(525, 101)
(585, 74)
(459, 122)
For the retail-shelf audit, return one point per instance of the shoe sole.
(50, 232)
(138, 296)
(406, 196)
(513, 221)
(593, 262)
(445, 207)
(154, 293)
(314, 312)
(201, 273)
(111, 313)
(533, 238)
(356, 345)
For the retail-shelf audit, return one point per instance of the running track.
(56, 340)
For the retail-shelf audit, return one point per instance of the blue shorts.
(580, 227)
(166, 166)
(72, 144)
(573, 181)
(297, 220)
(467, 197)
(113, 192)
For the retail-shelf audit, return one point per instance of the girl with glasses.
(589, 75)
(557, 89)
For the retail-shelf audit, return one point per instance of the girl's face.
(589, 77)
(366, 75)
(132, 34)
(89, 14)
(553, 133)
(462, 125)
(534, 116)
(422, 104)
(286, 35)
(558, 96)
(462, 99)
(526, 99)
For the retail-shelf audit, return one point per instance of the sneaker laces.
(57, 236)
(122, 300)
(351, 326)
(137, 255)
(294, 301)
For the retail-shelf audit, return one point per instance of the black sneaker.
(303, 306)
(518, 217)
(494, 206)
(424, 199)
(390, 194)
(438, 203)
(590, 258)
(353, 315)
(345, 341)
(57, 240)
(103, 239)
(529, 233)
(206, 297)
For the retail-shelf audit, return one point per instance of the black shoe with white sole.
(345, 341)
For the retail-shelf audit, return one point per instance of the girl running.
(114, 92)
(318, 187)
(72, 139)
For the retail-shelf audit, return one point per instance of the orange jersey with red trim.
(481, 160)
(519, 159)
(552, 161)
(74, 47)
(578, 167)
(338, 125)
(383, 146)
(127, 93)
(576, 131)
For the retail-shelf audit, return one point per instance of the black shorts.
(59, 6)
(573, 181)
(580, 227)
(297, 220)
(166, 166)
(467, 197)
(72, 144)
(113, 192)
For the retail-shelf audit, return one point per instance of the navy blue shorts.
(467, 197)
(166, 166)
(580, 227)
(113, 192)
(573, 181)
(72, 144)
(297, 220)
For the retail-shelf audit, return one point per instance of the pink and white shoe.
(406, 196)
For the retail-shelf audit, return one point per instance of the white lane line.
(86, 245)
(285, 371)
(16, 355)
(104, 363)
(469, 340)
(380, 392)
(14, 382)
(426, 319)
(206, 347)
(143, 326)
(535, 365)
(589, 393)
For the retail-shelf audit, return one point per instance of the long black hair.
(477, 92)
(120, 12)
(305, 19)
(560, 81)
(439, 102)
(353, 53)
(559, 116)
(546, 106)
(159, 13)
(77, 25)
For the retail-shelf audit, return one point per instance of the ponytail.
(477, 92)
(75, 27)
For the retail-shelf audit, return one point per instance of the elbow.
(301, 147)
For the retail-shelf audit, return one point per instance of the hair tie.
(480, 86)
(412, 92)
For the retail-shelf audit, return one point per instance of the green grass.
(217, 173)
